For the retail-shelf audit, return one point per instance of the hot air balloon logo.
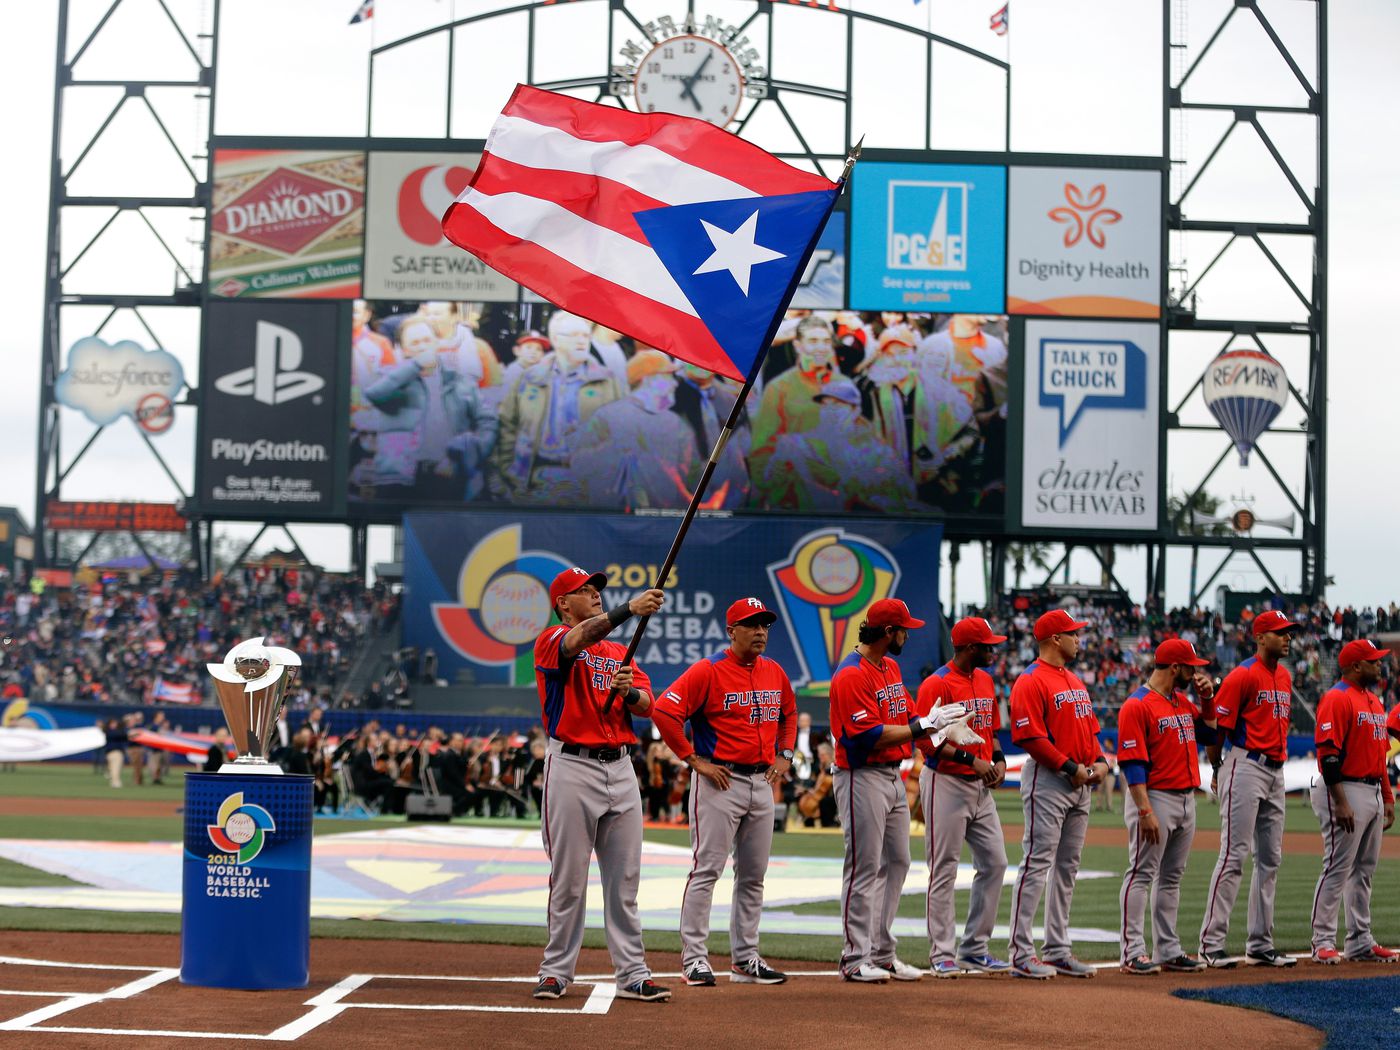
(1245, 391)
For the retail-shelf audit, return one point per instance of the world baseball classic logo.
(242, 828)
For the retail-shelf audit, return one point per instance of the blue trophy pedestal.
(246, 914)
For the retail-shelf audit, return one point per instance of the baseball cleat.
(946, 968)
(984, 963)
(1376, 954)
(700, 976)
(866, 973)
(1184, 964)
(648, 991)
(1220, 960)
(1140, 967)
(550, 988)
(902, 971)
(1070, 967)
(1033, 969)
(1326, 956)
(1269, 957)
(755, 971)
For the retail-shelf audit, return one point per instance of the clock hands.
(689, 82)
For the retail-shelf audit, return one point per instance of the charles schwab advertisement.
(269, 422)
(1092, 432)
(477, 586)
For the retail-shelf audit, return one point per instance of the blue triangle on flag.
(785, 226)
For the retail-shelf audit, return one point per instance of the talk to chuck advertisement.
(287, 224)
(478, 587)
(271, 409)
(526, 405)
(1092, 434)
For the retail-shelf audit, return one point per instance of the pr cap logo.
(1085, 216)
(425, 194)
(273, 378)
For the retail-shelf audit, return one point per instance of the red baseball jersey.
(1252, 707)
(1051, 703)
(948, 685)
(1392, 723)
(1161, 733)
(865, 697)
(738, 713)
(1351, 723)
(574, 690)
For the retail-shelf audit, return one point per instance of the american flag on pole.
(1001, 20)
(665, 228)
(363, 13)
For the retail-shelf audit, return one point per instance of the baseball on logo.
(240, 828)
(835, 569)
(515, 608)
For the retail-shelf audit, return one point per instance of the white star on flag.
(736, 252)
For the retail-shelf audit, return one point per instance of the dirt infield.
(18, 806)
(123, 990)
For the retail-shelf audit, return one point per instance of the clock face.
(690, 75)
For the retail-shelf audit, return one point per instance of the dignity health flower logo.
(1084, 216)
(240, 828)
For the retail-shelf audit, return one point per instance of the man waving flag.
(665, 228)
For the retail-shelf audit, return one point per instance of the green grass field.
(1095, 901)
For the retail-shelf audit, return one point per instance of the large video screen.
(527, 405)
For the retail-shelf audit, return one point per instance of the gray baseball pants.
(1349, 861)
(737, 821)
(1156, 869)
(874, 812)
(1251, 822)
(590, 806)
(957, 810)
(1057, 817)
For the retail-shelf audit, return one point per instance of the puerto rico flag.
(174, 692)
(665, 228)
(1001, 20)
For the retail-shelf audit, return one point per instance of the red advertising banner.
(114, 517)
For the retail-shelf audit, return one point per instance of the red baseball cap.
(1057, 621)
(1360, 650)
(1179, 651)
(890, 612)
(973, 630)
(1272, 620)
(571, 580)
(746, 609)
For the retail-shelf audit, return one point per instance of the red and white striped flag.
(1001, 19)
(665, 228)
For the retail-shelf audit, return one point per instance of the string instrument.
(810, 803)
(679, 785)
(911, 788)
(656, 777)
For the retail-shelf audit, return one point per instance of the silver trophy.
(252, 685)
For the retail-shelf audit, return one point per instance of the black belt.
(1263, 759)
(600, 754)
(740, 767)
(960, 776)
(1175, 791)
(1372, 781)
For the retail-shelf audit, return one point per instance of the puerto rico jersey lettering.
(1051, 703)
(574, 690)
(948, 685)
(737, 713)
(1252, 707)
(865, 697)
(1351, 722)
(1161, 733)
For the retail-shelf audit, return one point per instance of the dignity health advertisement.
(477, 587)
(1092, 433)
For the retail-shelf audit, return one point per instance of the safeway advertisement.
(406, 255)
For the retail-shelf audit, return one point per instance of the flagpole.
(735, 414)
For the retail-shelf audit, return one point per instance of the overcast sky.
(1085, 80)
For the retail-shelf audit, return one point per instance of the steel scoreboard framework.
(1004, 321)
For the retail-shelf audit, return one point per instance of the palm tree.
(1023, 555)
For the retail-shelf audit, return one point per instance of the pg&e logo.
(927, 225)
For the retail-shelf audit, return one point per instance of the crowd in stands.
(119, 641)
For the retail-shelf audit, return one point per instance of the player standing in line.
(1052, 717)
(955, 786)
(1158, 732)
(873, 727)
(1252, 709)
(591, 801)
(1353, 803)
(743, 716)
